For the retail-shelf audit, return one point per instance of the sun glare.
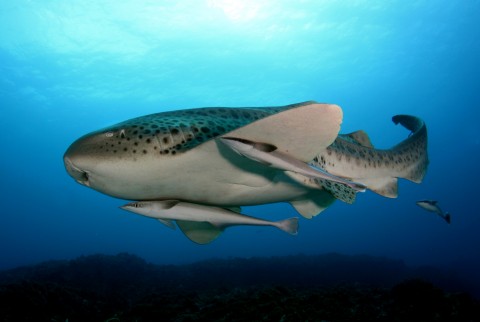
(236, 10)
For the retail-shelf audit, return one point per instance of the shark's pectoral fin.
(384, 186)
(300, 132)
(167, 222)
(199, 232)
(313, 203)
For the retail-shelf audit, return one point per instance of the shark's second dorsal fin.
(359, 137)
(199, 232)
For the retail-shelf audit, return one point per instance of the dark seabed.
(330, 287)
(68, 68)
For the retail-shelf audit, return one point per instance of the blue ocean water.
(68, 68)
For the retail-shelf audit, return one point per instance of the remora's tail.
(289, 225)
(353, 156)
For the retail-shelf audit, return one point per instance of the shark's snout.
(81, 176)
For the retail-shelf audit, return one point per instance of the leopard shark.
(234, 157)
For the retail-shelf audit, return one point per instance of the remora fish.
(432, 206)
(268, 154)
(178, 156)
(202, 224)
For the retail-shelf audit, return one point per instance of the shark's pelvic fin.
(199, 232)
(167, 222)
(313, 203)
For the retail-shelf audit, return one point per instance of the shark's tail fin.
(289, 225)
(412, 152)
(407, 160)
(353, 156)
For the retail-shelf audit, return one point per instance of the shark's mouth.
(79, 175)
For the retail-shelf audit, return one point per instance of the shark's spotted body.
(353, 156)
(291, 153)
(175, 132)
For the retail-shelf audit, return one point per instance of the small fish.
(269, 155)
(432, 206)
(202, 224)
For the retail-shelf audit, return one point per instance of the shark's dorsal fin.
(199, 232)
(359, 137)
(311, 128)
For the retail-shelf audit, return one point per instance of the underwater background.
(71, 67)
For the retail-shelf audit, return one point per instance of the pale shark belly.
(215, 176)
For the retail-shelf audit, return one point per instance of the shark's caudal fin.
(412, 152)
(353, 156)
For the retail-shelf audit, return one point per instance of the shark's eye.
(109, 134)
(122, 133)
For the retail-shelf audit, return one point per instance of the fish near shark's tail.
(448, 217)
(289, 225)
(352, 156)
